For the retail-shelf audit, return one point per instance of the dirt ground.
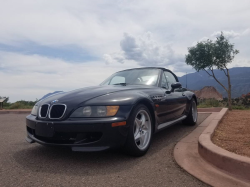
(233, 132)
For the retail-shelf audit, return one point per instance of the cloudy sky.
(62, 45)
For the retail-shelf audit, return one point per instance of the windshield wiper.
(123, 84)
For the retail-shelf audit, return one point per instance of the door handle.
(183, 94)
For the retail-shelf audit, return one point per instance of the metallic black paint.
(172, 105)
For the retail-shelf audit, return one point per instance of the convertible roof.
(164, 69)
(147, 68)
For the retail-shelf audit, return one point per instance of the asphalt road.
(23, 164)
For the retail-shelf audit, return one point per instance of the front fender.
(125, 100)
(119, 98)
(190, 96)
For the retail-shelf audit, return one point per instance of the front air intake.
(43, 111)
(57, 111)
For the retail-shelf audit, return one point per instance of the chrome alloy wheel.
(194, 111)
(142, 129)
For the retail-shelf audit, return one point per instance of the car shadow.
(38, 158)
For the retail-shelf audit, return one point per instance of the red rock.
(208, 92)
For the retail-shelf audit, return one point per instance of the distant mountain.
(240, 81)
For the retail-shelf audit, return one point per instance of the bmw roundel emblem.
(54, 101)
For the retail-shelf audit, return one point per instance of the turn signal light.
(119, 124)
(112, 110)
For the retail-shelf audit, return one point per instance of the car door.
(178, 95)
(168, 103)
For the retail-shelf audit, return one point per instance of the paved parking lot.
(23, 164)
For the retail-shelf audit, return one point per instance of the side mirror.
(175, 85)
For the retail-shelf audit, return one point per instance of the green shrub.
(240, 107)
(237, 104)
(206, 103)
(19, 105)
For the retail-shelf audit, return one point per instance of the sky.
(62, 45)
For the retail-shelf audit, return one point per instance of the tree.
(209, 55)
(6, 100)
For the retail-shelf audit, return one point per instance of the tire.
(140, 131)
(192, 114)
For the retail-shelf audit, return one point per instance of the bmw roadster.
(125, 111)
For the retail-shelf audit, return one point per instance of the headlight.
(95, 111)
(34, 110)
(101, 111)
(86, 111)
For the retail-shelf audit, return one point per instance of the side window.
(117, 79)
(170, 78)
(164, 82)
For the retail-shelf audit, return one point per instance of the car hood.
(79, 96)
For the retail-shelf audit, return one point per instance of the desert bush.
(240, 107)
(206, 103)
(19, 104)
(237, 103)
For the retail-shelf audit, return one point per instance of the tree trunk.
(229, 91)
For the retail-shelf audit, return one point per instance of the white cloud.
(35, 76)
(246, 32)
(56, 23)
(228, 34)
(99, 25)
(98, 28)
(113, 58)
(108, 59)
(145, 51)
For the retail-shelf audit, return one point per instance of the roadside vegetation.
(242, 103)
(237, 103)
(210, 55)
(18, 104)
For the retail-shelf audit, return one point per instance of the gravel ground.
(233, 134)
(23, 164)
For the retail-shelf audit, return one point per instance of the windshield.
(134, 76)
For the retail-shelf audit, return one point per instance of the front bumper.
(79, 134)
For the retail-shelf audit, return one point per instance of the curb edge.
(236, 165)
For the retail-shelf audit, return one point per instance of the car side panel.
(181, 100)
(189, 95)
(167, 107)
(131, 98)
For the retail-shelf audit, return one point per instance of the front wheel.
(192, 114)
(140, 131)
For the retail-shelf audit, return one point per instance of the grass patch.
(240, 107)
(210, 103)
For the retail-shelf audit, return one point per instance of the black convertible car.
(123, 111)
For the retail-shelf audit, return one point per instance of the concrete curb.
(187, 157)
(231, 163)
(214, 109)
